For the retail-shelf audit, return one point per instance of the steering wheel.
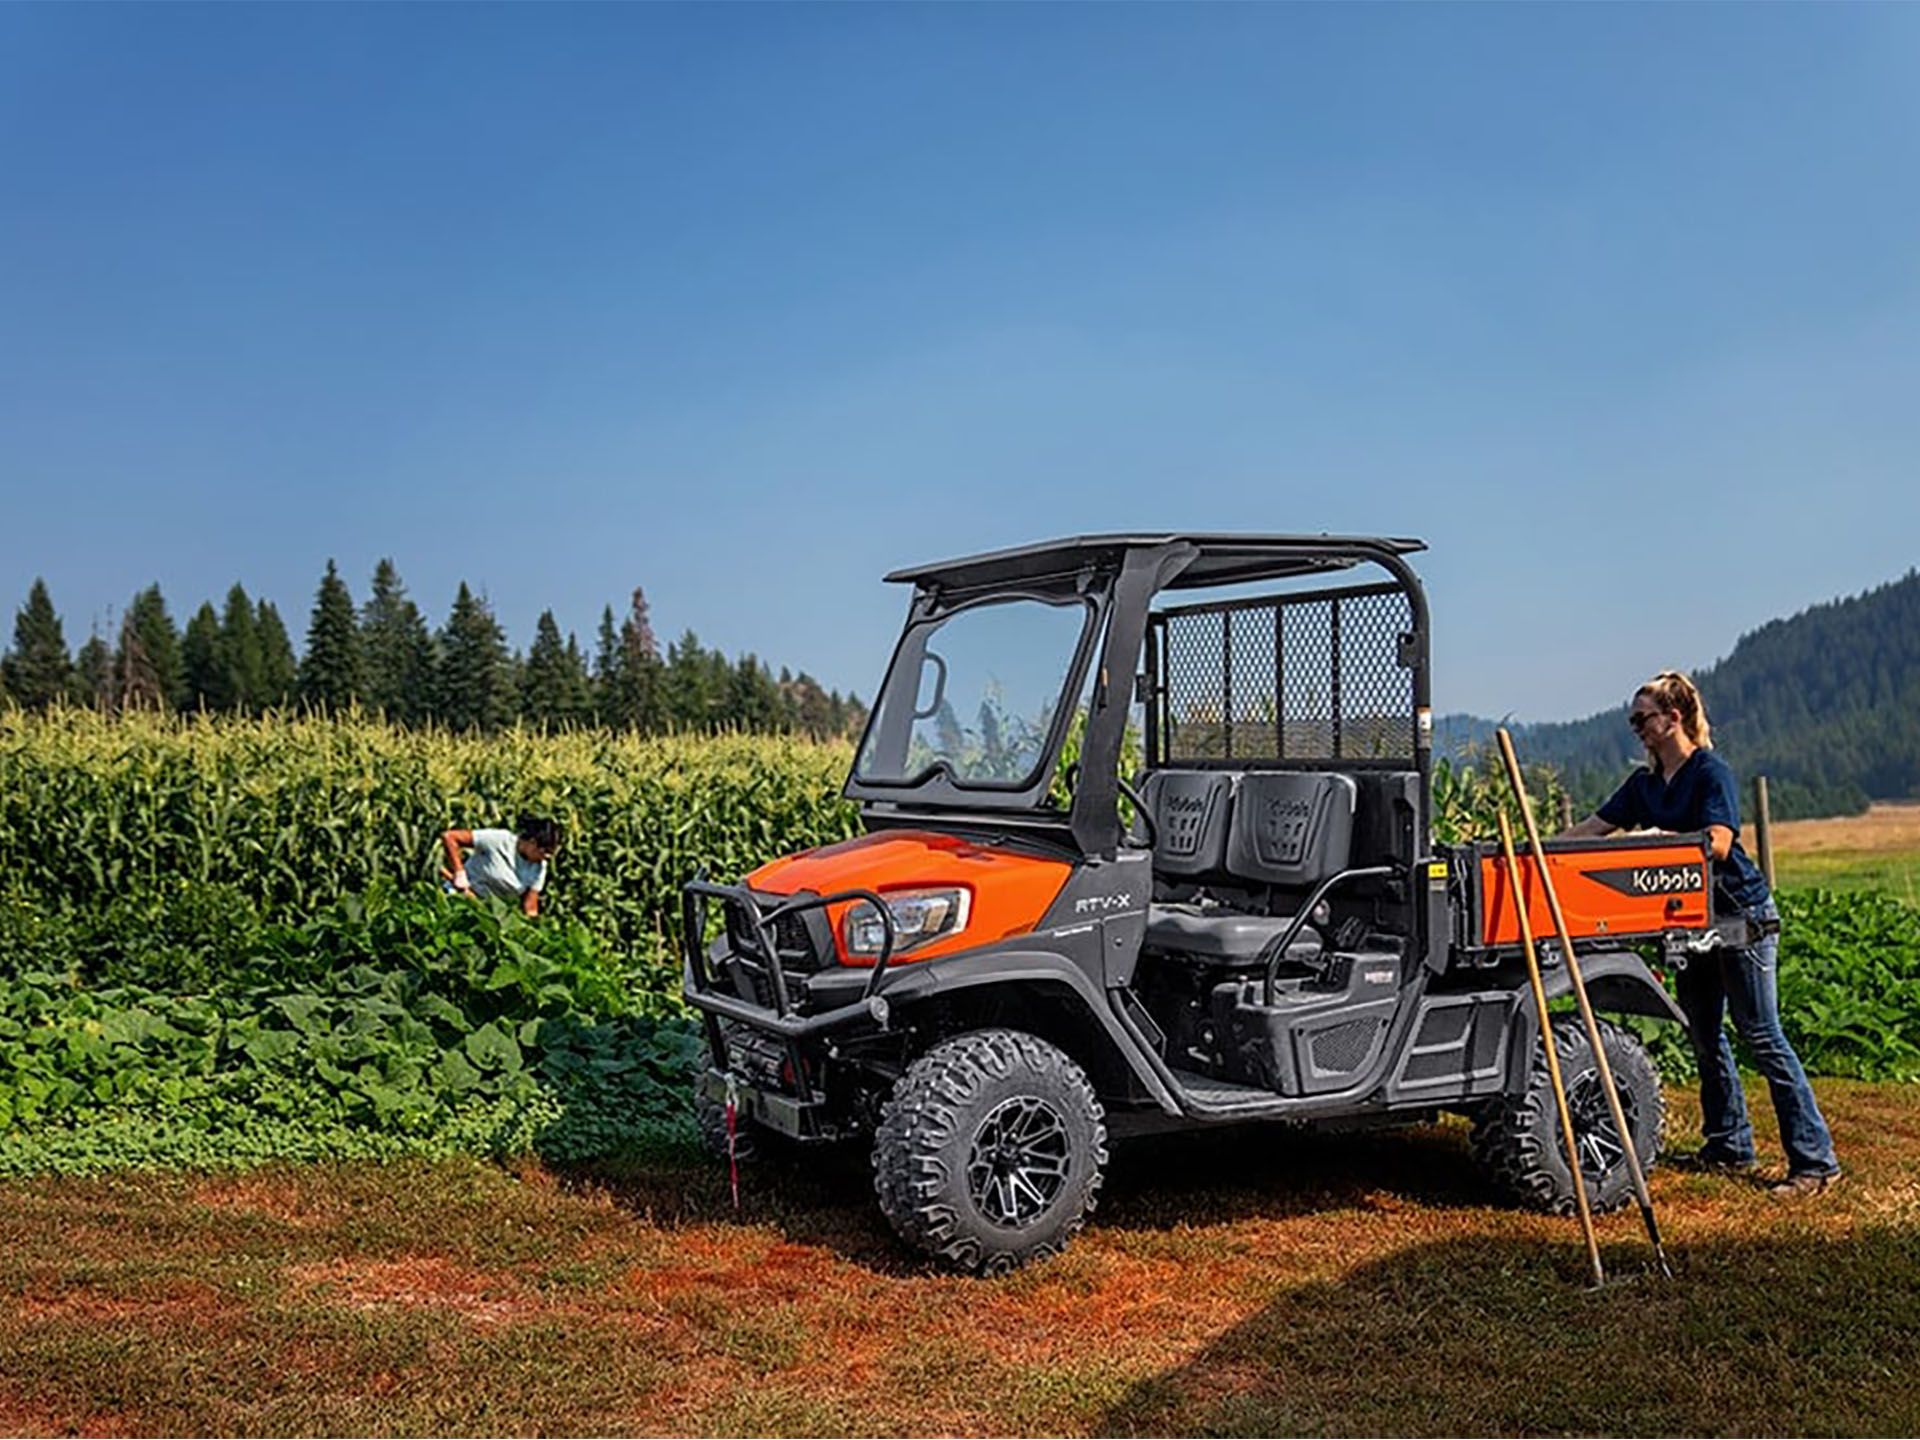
(1141, 812)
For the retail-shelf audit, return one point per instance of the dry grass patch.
(1253, 1283)
(427, 1282)
(1886, 828)
(1876, 851)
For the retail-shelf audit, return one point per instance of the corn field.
(1470, 791)
(292, 812)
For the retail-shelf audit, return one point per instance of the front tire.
(1516, 1139)
(989, 1153)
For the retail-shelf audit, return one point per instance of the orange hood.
(1009, 890)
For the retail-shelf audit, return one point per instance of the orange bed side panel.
(1620, 888)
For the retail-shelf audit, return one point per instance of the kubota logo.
(1097, 904)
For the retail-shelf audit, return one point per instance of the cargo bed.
(1616, 890)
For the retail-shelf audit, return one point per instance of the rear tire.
(1516, 1139)
(989, 1153)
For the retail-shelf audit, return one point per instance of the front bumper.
(783, 1114)
(872, 1009)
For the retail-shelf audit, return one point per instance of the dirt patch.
(1886, 829)
(184, 1301)
(281, 1200)
(1114, 1304)
(712, 1262)
(420, 1282)
(19, 1417)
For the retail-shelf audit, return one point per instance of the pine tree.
(397, 650)
(644, 692)
(753, 700)
(608, 673)
(37, 672)
(628, 686)
(639, 627)
(540, 673)
(136, 681)
(813, 712)
(279, 674)
(514, 683)
(475, 675)
(691, 699)
(200, 656)
(151, 673)
(553, 686)
(578, 685)
(93, 675)
(717, 683)
(330, 670)
(789, 702)
(242, 661)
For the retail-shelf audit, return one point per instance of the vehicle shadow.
(1269, 1171)
(821, 1197)
(1780, 1333)
(824, 1196)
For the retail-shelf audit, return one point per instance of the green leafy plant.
(1849, 985)
(409, 1016)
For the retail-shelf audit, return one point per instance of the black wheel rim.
(1019, 1162)
(1598, 1137)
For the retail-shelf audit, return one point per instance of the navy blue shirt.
(1702, 792)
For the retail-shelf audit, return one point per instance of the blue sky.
(1618, 307)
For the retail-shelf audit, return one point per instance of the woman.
(509, 863)
(1687, 787)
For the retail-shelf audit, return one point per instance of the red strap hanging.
(733, 1134)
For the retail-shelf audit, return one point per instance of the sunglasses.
(1639, 719)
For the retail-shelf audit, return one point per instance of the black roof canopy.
(1218, 559)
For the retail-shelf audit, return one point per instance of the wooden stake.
(1763, 828)
(1553, 1054)
(1607, 1086)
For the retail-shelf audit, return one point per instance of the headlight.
(919, 916)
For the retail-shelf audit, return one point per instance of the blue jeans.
(1745, 980)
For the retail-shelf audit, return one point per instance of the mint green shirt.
(496, 866)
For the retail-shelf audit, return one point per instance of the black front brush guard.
(756, 928)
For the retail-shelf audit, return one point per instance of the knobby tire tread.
(930, 1107)
(1515, 1139)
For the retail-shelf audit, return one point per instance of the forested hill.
(1825, 704)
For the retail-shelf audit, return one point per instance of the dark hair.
(540, 830)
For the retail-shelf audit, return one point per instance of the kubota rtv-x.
(1012, 967)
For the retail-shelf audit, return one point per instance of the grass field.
(1255, 1283)
(1876, 851)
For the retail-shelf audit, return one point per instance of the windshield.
(975, 693)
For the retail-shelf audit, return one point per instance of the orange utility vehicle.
(1027, 955)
